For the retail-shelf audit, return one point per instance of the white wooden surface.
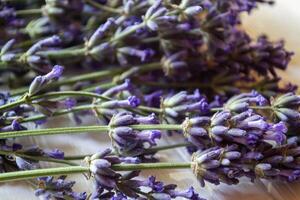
(281, 21)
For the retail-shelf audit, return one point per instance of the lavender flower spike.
(49, 188)
(40, 81)
(127, 141)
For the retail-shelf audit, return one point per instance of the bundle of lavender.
(145, 69)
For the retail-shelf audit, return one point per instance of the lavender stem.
(153, 149)
(30, 174)
(37, 158)
(82, 129)
(36, 11)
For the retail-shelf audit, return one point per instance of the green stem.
(51, 95)
(12, 104)
(262, 107)
(70, 94)
(103, 7)
(147, 166)
(63, 53)
(150, 109)
(73, 110)
(127, 32)
(84, 129)
(150, 150)
(101, 75)
(36, 11)
(252, 107)
(37, 158)
(30, 174)
(167, 147)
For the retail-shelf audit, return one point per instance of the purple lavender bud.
(130, 160)
(242, 116)
(188, 194)
(220, 118)
(100, 51)
(25, 164)
(175, 99)
(253, 156)
(55, 73)
(211, 164)
(207, 155)
(254, 121)
(122, 119)
(184, 27)
(174, 62)
(197, 131)
(149, 136)
(51, 41)
(236, 132)
(134, 101)
(98, 164)
(114, 90)
(153, 8)
(99, 33)
(70, 103)
(280, 127)
(142, 54)
(219, 130)
(260, 100)
(16, 126)
(35, 85)
(49, 188)
(123, 131)
(232, 155)
(288, 113)
(290, 175)
(153, 99)
(16, 146)
(7, 13)
(128, 6)
(202, 106)
(261, 168)
(41, 81)
(7, 46)
(150, 119)
(199, 120)
(286, 100)
(193, 10)
(8, 57)
(105, 182)
(55, 153)
(275, 138)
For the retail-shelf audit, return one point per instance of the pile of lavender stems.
(145, 70)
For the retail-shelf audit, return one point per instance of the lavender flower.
(117, 89)
(110, 184)
(181, 103)
(99, 33)
(241, 102)
(127, 141)
(60, 188)
(227, 164)
(131, 101)
(286, 107)
(246, 128)
(32, 58)
(174, 62)
(40, 81)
